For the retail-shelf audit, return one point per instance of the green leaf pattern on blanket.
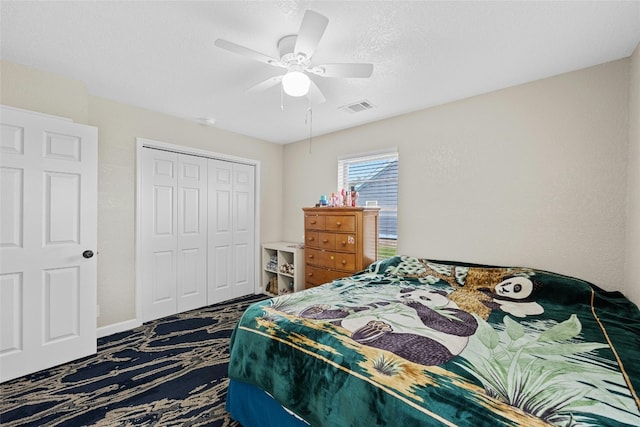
(538, 369)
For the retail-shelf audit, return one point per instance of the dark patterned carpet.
(169, 372)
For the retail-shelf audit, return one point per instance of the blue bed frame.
(252, 407)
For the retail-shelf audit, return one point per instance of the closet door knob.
(87, 254)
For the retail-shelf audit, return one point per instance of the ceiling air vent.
(358, 107)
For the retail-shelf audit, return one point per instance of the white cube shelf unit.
(282, 268)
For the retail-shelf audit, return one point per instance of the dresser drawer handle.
(313, 221)
(311, 239)
(310, 274)
(332, 257)
(344, 262)
(325, 240)
(338, 224)
(344, 243)
(311, 256)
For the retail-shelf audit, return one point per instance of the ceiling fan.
(296, 51)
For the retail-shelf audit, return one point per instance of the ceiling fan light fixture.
(296, 83)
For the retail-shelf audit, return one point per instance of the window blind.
(375, 178)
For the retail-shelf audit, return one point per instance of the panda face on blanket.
(516, 287)
(515, 295)
(428, 298)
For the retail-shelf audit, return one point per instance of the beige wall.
(632, 267)
(118, 126)
(533, 175)
(30, 89)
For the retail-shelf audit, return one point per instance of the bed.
(410, 341)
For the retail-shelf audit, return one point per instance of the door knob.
(87, 254)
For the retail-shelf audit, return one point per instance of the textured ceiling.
(161, 55)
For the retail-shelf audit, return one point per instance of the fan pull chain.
(281, 98)
(309, 117)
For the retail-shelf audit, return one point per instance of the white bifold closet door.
(231, 230)
(174, 233)
(197, 231)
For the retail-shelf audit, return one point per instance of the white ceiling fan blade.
(343, 70)
(245, 51)
(266, 84)
(311, 31)
(314, 94)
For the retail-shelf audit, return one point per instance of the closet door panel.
(163, 278)
(159, 233)
(192, 233)
(220, 274)
(243, 229)
(241, 262)
(220, 231)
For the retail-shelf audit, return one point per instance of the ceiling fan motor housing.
(288, 57)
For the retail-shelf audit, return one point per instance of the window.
(375, 178)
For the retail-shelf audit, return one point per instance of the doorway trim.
(142, 143)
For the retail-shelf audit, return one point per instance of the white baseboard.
(104, 331)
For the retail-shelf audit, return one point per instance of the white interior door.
(48, 223)
(220, 274)
(159, 223)
(192, 233)
(174, 233)
(243, 230)
(231, 230)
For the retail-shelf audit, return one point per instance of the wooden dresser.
(338, 242)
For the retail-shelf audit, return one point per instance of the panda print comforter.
(411, 341)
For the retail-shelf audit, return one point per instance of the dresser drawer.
(346, 262)
(313, 222)
(326, 259)
(340, 223)
(312, 256)
(338, 261)
(311, 239)
(315, 276)
(327, 240)
(346, 242)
